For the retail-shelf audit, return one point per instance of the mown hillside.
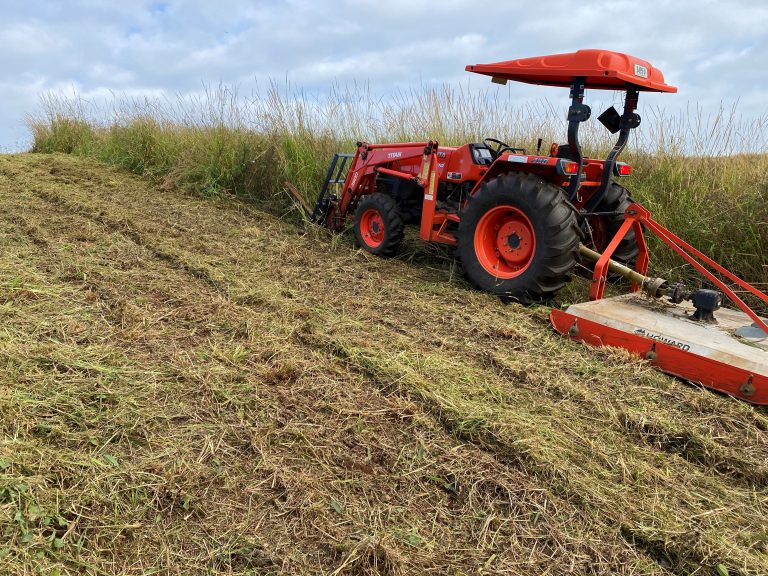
(194, 386)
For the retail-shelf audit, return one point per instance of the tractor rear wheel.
(519, 238)
(604, 228)
(378, 225)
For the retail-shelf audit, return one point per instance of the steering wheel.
(501, 147)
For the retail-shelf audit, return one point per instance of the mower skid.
(730, 356)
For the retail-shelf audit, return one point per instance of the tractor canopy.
(601, 69)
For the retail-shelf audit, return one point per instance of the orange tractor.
(522, 222)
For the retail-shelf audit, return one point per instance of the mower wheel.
(519, 238)
(378, 225)
(604, 228)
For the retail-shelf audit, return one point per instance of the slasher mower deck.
(730, 355)
(521, 223)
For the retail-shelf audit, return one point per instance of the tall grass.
(703, 175)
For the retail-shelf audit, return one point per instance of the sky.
(714, 51)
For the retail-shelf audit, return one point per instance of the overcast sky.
(714, 51)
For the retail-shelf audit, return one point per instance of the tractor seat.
(560, 151)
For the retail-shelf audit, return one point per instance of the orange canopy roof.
(602, 69)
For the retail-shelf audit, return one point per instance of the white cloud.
(31, 38)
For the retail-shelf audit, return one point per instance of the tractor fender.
(521, 163)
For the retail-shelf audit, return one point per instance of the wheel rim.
(372, 228)
(505, 242)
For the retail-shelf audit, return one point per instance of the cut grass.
(194, 386)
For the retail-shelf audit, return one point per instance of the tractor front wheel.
(378, 225)
(519, 238)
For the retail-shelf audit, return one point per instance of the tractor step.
(730, 355)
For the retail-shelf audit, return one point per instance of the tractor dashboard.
(481, 154)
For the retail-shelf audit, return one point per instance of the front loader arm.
(372, 159)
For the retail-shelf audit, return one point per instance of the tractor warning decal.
(641, 71)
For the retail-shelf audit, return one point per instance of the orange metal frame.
(638, 217)
(433, 223)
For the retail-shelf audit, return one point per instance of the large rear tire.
(604, 228)
(378, 225)
(519, 238)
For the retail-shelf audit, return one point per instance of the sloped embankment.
(193, 386)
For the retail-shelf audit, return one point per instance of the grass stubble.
(193, 385)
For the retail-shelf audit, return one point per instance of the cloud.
(712, 50)
(32, 39)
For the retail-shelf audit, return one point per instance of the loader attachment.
(336, 176)
(683, 332)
